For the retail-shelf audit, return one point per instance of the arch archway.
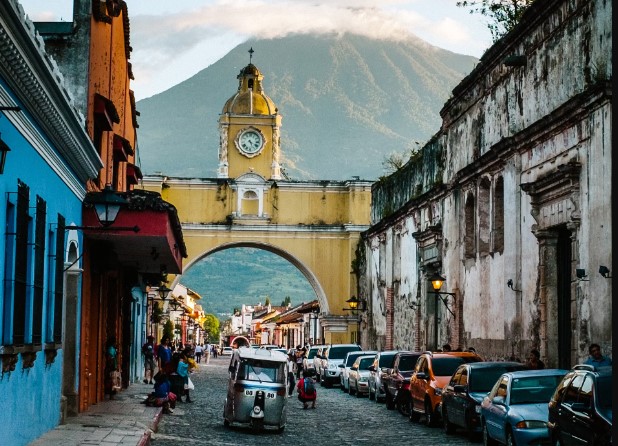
(299, 264)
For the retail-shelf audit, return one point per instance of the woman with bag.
(183, 371)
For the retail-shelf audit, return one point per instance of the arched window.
(483, 209)
(498, 216)
(250, 203)
(469, 237)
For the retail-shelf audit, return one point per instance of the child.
(162, 397)
(307, 391)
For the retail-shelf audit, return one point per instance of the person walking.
(207, 353)
(596, 359)
(149, 359)
(291, 379)
(300, 356)
(199, 350)
(307, 391)
(164, 356)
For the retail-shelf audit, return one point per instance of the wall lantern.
(4, 149)
(604, 271)
(352, 303)
(107, 204)
(164, 291)
(436, 282)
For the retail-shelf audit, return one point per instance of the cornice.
(38, 87)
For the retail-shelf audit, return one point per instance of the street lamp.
(356, 304)
(436, 282)
(164, 291)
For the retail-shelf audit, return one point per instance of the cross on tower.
(251, 54)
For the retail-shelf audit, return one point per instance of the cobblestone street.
(340, 419)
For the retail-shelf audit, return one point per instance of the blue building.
(47, 159)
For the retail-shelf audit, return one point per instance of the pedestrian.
(215, 350)
(164, 356)
(199, 349)
(596, 359)
(149, 359)
(291, 379)
(534, 360)
(111, 373)
(183, 371)
(207, 353)
(300, 356)
(307, 391)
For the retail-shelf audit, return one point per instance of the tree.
(504, 14)
(396, 160)
(211, 327)
(168, 330)
(287, 301)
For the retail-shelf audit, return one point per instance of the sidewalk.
(122, 421)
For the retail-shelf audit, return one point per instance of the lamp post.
(316, 313)
(436, 283)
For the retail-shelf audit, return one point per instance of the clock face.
(250, 142)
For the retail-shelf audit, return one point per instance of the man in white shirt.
(199, 350)
(207, 352)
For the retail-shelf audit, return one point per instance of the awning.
(159, 244)
(134, 174)
(105, 113)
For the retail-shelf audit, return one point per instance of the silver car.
(345, 367)
(359, 375)
(309, 360)
(381, 362)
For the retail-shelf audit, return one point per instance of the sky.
(173, 40)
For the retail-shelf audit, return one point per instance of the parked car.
(318, 361)
(463, 395)
(431, 373)
(516, 409)
(359, 375)
(580, 411)
(334, 356)
(308, 361)
(345, 367)
(227, 351)
(396, 381)
(382, 361)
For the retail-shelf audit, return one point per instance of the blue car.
(515, 412)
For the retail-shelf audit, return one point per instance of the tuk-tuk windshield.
(262, 371)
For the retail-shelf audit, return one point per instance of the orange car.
(432, 372)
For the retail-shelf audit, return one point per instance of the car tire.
(487, 440)
(414, 416)
(430, 415)
(510, 440)
(449, 427)
(404, 406)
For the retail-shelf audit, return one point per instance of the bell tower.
(249, 130)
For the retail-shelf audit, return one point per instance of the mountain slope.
(346, 101)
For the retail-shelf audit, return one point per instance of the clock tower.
(249, 130)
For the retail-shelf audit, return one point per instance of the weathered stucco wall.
(506, 202)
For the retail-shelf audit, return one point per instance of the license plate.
(268, 395)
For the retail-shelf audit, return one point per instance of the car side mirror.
(580, 407)
(459, 388)
(371, 368)
(499, 400)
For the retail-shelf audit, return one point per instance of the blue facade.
(49, 160)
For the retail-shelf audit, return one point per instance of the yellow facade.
(315, 225)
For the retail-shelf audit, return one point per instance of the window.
(59, 279)
(20, 294)
(585, 392)
(470, 229)
(464, 377)
(39, 271)
(498, 216)
(483, 210)
(9, 269)
(570, 396)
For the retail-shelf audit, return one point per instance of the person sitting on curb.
(307, 391)
(162, 396)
